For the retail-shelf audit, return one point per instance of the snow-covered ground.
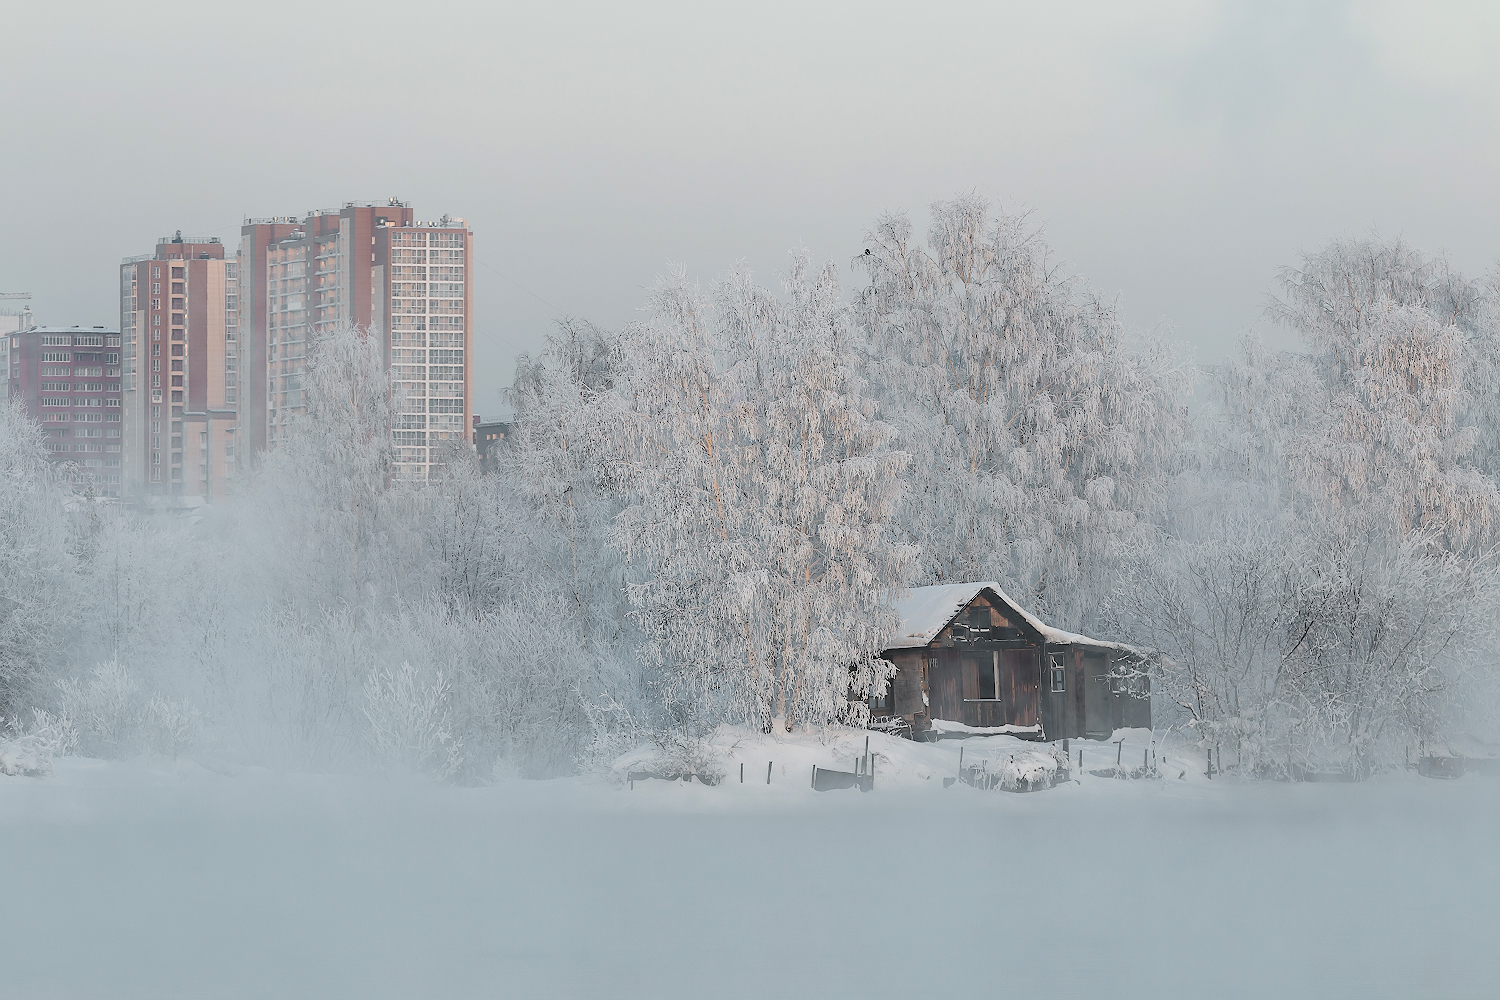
(160, 878)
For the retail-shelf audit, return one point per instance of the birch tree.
(764, 495)
(1040, 441)
(1395, 338)
(37, 581)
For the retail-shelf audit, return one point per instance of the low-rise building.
(68, 379)
(970, 659)
(11, 323)
(488, 437)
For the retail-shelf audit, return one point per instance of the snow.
(945, 726)
(926, 611)
(164, 878)
(22, 756)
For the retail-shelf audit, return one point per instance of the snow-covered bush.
(171, 725)
(115, 718)
(409, 721)
(29, 749)
(1027, 771)
(106, 708)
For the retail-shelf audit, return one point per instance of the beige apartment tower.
(179, 322)
(300, 279)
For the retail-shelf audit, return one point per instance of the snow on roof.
(926, 611)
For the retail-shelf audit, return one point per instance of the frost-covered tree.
(560, 472)
(340, 529)
(1397, 342)
(1040, 439)
(1328, 582)
(1294, 645)
(38, 582)
(764, 492)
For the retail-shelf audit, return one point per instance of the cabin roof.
(926, 611)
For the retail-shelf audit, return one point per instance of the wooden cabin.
(966, 654)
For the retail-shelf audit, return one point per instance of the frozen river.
(163, 879)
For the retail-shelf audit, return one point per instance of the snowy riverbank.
(165, 879)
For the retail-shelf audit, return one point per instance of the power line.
(520, 286)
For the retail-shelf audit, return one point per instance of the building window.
(1058, 672)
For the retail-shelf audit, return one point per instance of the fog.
(1169, 331)
(1177, 153)
(145, 885)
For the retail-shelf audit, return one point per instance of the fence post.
(1119, 751)
(742, 772)
(815, 778)
(1210, 763)
(768, 771)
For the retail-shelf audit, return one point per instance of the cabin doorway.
(1020, 685)
(1096, 695)
(945, 687)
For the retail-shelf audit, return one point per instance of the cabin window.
(989, 681)
(1059, 674)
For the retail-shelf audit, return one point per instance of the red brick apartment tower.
(414, 292)
(255, 236)
(68, 378)
(316, 278)
(179, 311)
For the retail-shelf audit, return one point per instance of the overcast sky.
(1176, 153)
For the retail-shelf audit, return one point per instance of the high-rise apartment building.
(302, 278)
(68, 379)
(179, 320)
